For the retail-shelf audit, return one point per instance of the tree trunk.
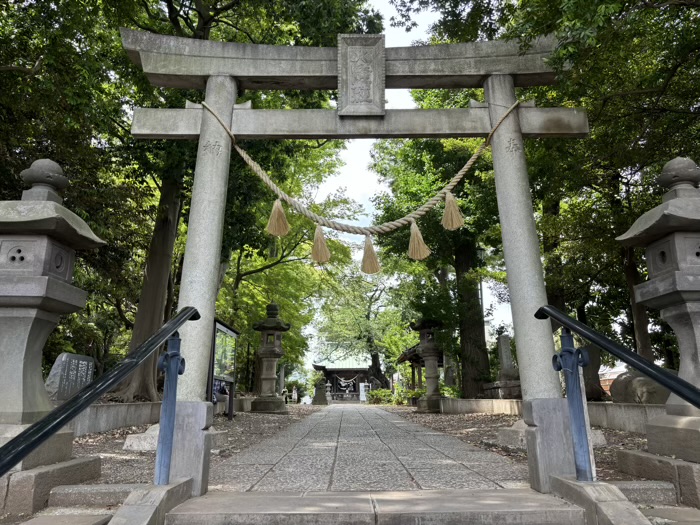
(375, 371)
(152, 302)
(594, 390)
(640, 318)
(472, 340)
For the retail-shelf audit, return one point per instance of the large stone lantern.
(671, 235)
(38, 239)
(271, 330)
(430, 353)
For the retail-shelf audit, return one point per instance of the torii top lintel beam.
(185, 63)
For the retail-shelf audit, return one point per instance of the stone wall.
(100, 418)
(630, 417)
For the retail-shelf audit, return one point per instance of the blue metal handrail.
(27, 441)
(675, 384)
(570, 359)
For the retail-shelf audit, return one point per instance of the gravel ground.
(481, 430)
(127, 466)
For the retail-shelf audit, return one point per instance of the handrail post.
(173, 365)
(569, 361)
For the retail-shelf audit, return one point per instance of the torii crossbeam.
(360, 68)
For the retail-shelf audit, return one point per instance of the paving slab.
(359, 448)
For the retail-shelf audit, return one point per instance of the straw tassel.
(452, 219)
(277, 225)
(320, 252)
(417, 250)
(370, 263)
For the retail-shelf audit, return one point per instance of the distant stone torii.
(360, 68)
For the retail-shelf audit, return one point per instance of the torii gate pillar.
(200, 284)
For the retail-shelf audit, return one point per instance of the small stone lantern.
(38, 239)
(270, 351)
(430, 353)
(671, 235)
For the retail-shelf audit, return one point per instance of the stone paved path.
(363, 448)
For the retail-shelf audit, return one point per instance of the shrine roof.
(349, 363)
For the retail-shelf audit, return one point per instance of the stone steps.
(71, 516)
(83, 504)
(648, 492)
(91, 495)
(453, 507)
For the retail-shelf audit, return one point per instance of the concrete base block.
(603, 504)
(514, 437)
(648, 492)
(148, 441)
(684, 475)
(549, 444)
(428, 405)
(192, 444)
(269, 405)
(56, 449)
(149, 506)
(28, 491)
(677, 436)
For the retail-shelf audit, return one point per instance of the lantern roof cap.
(273, 323)
(679, 211)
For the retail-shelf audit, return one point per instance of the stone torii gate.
(361, 69)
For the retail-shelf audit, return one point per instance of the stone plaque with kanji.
(70, 373)
(361, 75)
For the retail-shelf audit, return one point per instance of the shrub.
(450, 391)
(380, 396)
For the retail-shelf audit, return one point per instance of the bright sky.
(360, 183)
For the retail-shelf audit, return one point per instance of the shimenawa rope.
(386, 227)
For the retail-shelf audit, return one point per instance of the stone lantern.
(270, 351)
(430, 353)
(38, 239)
(670, 233)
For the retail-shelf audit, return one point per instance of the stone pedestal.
(320, 396)
(671, 235)
(270, 351)
(192, 434)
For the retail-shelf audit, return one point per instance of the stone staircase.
(83, 504)
(138, 504)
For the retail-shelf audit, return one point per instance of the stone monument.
(271, 330)
(508, 384)
(38, 239)
(430, 353)
(670, 233)
(69, 374)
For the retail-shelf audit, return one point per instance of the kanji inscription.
(361, 75)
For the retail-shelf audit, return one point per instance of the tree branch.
(151, 14)
(174, 17)
(31, 71)
(128, 323)
(231, 25)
